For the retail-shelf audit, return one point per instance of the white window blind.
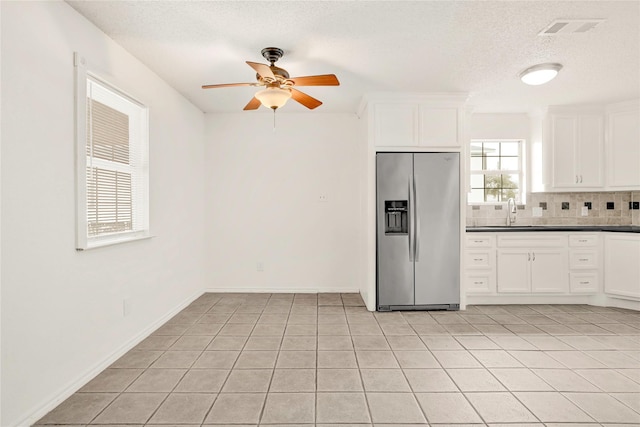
(112, 169)
(109, 192)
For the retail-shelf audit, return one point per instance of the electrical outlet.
(323, 198)
(260, 266)
(584, 211)
(634, 205)
(536, 211)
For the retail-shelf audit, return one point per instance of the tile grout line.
(231, 369)
(275, 362)
(145, 370)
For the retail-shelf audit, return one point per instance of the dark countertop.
(574, 228)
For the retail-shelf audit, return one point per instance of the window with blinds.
(109, 195)
(113, 190)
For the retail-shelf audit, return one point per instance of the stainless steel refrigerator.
(418, 236)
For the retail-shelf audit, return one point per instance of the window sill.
(115, 240)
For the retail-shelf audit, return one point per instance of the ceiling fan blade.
(227, 85)
(254, 104)
(304, 99)
(323, 80)
(262, 69)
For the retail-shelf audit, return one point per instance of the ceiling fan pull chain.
(274, 120)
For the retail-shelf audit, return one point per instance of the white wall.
(499, 126)
(61, 309)
(262, 194)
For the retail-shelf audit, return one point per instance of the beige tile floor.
(303, 359)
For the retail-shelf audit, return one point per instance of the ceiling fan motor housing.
(272, 54)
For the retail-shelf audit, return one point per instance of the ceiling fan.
(279, 87)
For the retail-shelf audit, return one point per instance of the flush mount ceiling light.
(540, 74)
(273, 97)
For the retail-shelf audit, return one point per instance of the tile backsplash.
(603, 208)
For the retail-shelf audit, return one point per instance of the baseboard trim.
(76, 385)
(527, 299)
(283, 290)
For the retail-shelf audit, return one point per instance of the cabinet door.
(396, 125)
(589, 150)
(624, 150)
(622, 265)
(513, 270)
(549, 270)
(439, 127)
(563, 137)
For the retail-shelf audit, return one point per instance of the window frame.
(141, 213)
(520, 171)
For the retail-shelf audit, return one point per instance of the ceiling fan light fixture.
(273, 97)
(540, 74)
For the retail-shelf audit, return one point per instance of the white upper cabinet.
(396, 125)
(576, 143)
(588, 150)
(439, 127)
(623, 146)
(415, 121)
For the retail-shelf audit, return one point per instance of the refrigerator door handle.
(410, 222)
(417, 221)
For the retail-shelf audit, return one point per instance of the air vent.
(570, 26)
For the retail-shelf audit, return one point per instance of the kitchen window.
(112, 164)
(496, 172)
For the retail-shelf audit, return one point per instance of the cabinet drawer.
(479, 282)
(480, 241)
(478, 260)
(532, 241)
(583, 282)
(576, 241)
(583, 259)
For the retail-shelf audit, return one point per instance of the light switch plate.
(536, 211)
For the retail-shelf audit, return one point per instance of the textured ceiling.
(431, 46)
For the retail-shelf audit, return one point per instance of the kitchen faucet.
(511, 211)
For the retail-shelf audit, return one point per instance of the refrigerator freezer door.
(437, 206)
(395, 256)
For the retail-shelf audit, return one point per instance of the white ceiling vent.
(570, 26)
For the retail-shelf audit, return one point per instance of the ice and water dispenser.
(396, 219)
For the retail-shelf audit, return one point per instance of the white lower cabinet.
(549, 270)
(479, 259)
(536, 270)
(514, 270)
(584, 282)
(552, 264)
(584, 263)
(622, 264)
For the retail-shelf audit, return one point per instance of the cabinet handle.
(478, 241)
(582, 240)
(534, 256)
(477, 283)
(528, 257)
(584, 283)
(576, 179)
(478, 259)
(580, 179)
(583, 259)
